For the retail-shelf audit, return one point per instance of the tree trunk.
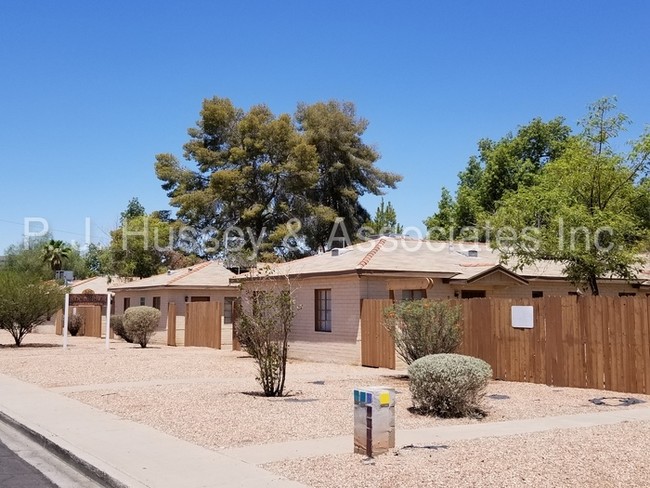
(593, 284)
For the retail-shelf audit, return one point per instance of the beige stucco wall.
(342, 344)
(374, 287)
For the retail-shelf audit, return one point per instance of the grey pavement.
(25, 463)
(18, 473)
(122, 453)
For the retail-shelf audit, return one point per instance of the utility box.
(374, 420)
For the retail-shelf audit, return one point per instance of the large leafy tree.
(346, 168)
(133, 209)
(258, 172)
(583, 211)
(35, 259)
(25, 302)
(385, 220)
(140, 247)
(501, 167)
(253, 172)
(442, 225)
(28, 259)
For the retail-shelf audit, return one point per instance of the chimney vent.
(472, 253)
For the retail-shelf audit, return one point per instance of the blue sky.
(91, 91)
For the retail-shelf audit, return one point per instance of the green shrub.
(26, 302)
(264, 318)
(140, 323)
(423, 327)
(117, 324)
(449, 385)
(75, 323)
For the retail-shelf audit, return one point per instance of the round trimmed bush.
(117, 324)
(449, 385)
(140, 323)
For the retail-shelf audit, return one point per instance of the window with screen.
(323, 308)
(413, 294)
(228, 304)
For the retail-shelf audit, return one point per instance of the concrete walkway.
(119, 452)
(123, 453)
(269, 453)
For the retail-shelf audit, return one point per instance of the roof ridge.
(371, 254)
(190, 270)
(85, 280)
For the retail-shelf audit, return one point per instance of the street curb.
(65, 455)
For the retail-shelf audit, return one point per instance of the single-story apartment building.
(207, 281)
(331, 285)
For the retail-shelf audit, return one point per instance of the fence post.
(171, 324)
(236, 346)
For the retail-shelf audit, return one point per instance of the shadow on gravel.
(399, 377)
(413, 446)
(28, 346)
(288, 395)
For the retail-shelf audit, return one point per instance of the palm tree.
(54, 252)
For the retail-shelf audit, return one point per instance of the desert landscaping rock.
(568, 458)
(210, 398)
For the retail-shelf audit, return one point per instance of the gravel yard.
(604, 456)
(210, 397)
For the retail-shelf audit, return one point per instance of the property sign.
(87, 299)
(522, 317)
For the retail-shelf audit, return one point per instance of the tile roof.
(403, 255)
(209, 274)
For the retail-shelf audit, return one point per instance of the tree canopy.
(583, 209)
(501, 167)
(547, 193)
(281, 182)
(44, 255)
(385, 220)
(143, 245)
(25, 302)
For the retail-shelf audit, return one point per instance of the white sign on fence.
(522, 317)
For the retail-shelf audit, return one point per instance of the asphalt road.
(17, 473)
(27, 464)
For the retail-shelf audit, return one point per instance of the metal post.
(65, 320)
(108, 320)
(369, 431)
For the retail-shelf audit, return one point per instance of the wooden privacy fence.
(377, 346)
(593, 342)
(92, 316)
(236, 346)
(203, 324)
(171, 324)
